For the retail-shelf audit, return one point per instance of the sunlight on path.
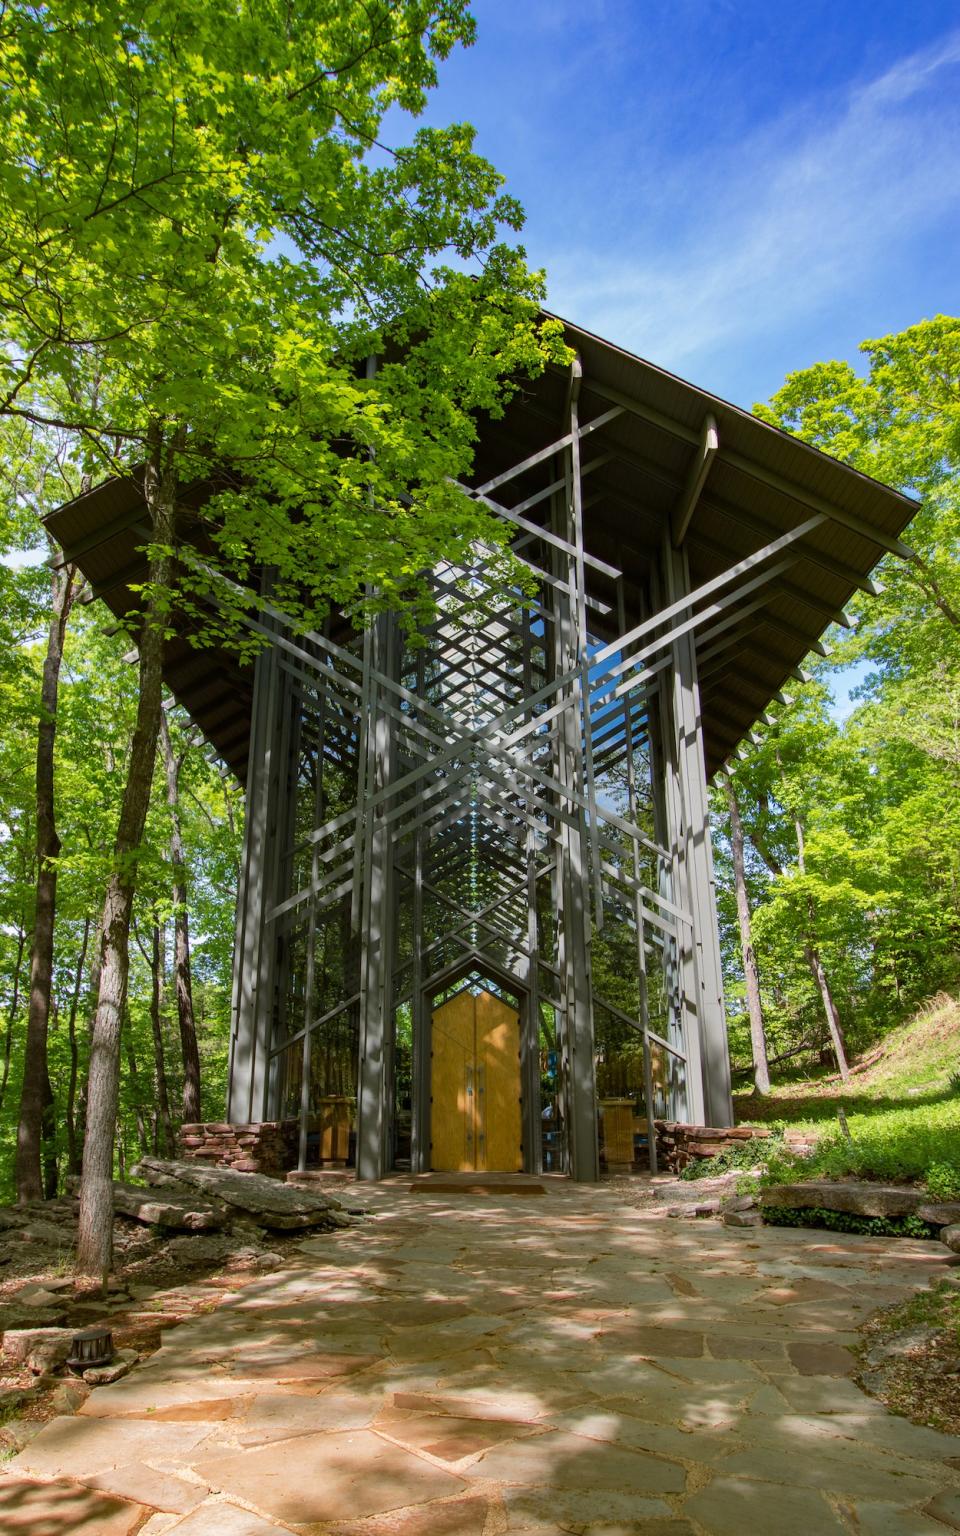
(487, 1364)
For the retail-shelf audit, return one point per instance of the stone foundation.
(678, 1145)
(270, 1147)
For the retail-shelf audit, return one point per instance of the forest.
(837, 835)
(199, 257)
(836, 830)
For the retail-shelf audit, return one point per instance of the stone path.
(478, 1365)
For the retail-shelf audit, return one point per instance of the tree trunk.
(812, 956)
(95, 1231)
(73, 1157)
(758, 1036)
(181, 936)
(143, 1139)
(36, 1083)
(90, 1009)
(12, 1014)
(51, 1173)
(163, 1122)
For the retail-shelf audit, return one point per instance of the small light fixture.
(90, 1347)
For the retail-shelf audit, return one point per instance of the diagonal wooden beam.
(696, 479)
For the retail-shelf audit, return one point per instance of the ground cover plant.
(900, 1116)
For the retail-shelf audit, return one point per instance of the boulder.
(20, 1343)
(46, 1359)
(15, 1317)
(941, 1213)
(173, 1211)
(36, 1296)
(103, 1375)
(739, 1203)
(278, 1207)
(951, 1236)
(69, 1396)
(742, 1219)
(44, 1234)
(859, 1199)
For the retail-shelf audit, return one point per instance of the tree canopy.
(852, 827)
(205, 232)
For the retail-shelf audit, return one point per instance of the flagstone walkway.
(460, 1364)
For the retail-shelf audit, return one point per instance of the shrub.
(846, 1221)
(943, 1181)
(742, 1155)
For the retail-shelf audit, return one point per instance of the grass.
(902, 1113)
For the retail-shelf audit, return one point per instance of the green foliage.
(903, 1118)
(97, 701)
(207, 234)
(760, 1153)
(853, 827)
(846, 1221)
(943, 1181)
(892, 1144)
(207, 242)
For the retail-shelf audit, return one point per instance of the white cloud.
(785, 224)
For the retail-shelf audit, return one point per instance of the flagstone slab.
(732, 1506)
(747, 1347)
(821, 1359)
(445, 1437)
(147, 1393)
(519, 1407)
(558, 1460)
(54, 1509)
(216, 1517)
(147, 1485)
(300, 1366)
(945, 1507)
(328, 1477)
(664, 1342)
(876, 1431)
(856, 1474)
(618, 1425)
(284, 1415)
(892, 1520)
(539, 1509)
(454, 1517)
(78, 1446)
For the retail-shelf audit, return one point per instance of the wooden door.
(475, 1117)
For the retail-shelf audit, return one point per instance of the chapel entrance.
(475, 1108)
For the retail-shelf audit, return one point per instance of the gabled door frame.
(529, 1057)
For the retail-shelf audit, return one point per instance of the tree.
(758, 1038)
(901, 424)
(183, 979)
(852, 842)
(200, 218)
(35, 1094)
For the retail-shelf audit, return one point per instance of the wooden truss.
(491, 802)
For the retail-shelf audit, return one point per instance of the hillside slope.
(916, 1059)
(901, 1106)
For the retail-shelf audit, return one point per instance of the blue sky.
(733, 189)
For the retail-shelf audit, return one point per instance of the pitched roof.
(674, 460)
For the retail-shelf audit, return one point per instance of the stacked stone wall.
(270, 1147)
(678, 1145)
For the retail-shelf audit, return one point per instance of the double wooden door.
(475, 1114)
